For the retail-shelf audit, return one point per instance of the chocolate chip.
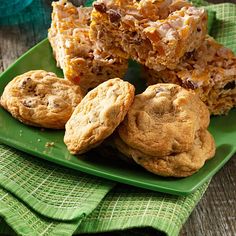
(199, 30)
(113, 15)
(159, 90)
(30, 89)
(230, 85)
(56, 105)
(189, 84)
(188, 55)
(100, 7)
(27, 103)
(97, 70)
(24, 82)
(88, 22)
(52, 104)
(133, 34)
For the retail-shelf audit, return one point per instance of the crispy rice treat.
(210, 71)
(155, 33)
(81, 61)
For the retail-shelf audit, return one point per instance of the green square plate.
(32, 140)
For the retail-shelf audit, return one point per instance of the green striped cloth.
(222, 22)
(41, 198)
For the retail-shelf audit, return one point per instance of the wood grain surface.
(215, 215)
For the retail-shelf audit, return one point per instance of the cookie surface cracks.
(164, 120)
(97, 116)
(40, 98)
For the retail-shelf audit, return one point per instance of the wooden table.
(216, 212)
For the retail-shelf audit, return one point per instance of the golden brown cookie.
(125, 152)
(125, 149)
(98, 114)
(163, 120)
(176, 165)
(181, 164)
(40, 98)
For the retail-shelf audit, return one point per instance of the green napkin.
(128, 207)
(51, 190)
(223, 24)
(41, 198)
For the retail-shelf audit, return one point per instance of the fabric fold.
(128, 207)
(24, 221)
(52, 191)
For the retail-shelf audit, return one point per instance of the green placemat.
(224, 27)
(124, 207)
(49, 189)
(221, 22)
(128, 207)
(30, 210)
(27, 222)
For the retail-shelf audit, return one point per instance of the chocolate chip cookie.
(164, 120)
(40, 98)
(98, 114)
(177, 165)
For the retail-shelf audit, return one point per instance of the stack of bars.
(169, 39)
(82, 62)
(209, 70)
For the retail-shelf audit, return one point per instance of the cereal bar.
(210, 71)
(81, 61)
(155, 33)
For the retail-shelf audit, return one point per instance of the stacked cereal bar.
(154, 33)
(81, 61)
(210, 71)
